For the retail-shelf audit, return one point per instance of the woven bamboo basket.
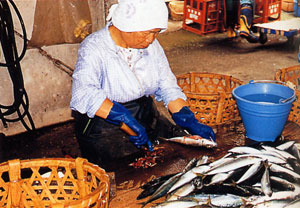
(292, 74)
(57, 182)
(210, 97)
(176, 10)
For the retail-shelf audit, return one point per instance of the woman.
(118, 69)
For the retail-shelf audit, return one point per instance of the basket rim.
(208, 73)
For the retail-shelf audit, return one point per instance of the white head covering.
(139, 15)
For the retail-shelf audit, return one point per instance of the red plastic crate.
(267, 10)
(203, 16)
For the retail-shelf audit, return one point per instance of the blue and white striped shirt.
(101, 73)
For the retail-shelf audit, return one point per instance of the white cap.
(139, 15)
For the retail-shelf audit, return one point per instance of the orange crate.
(267, 10)
(203, 16)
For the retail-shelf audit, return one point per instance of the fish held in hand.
(193, 140)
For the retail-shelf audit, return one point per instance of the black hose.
(20, 105)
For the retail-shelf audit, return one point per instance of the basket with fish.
(292, 74)
(53, 182)
(261, 175)
(209, 96)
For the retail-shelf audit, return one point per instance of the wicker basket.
(292, 74)
(53, 183)
(210, 97)
(176, 10)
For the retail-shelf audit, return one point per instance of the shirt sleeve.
(87, 93)
(168, 89)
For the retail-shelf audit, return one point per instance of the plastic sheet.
(58, 22)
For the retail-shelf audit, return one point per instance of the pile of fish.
(262, 175)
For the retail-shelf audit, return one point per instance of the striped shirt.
(101, 72)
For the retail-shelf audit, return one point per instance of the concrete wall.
(48, 85)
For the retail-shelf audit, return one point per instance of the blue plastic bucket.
(264, 107)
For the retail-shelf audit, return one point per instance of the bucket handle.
(286, 100)
(288, 84)
(266, 81)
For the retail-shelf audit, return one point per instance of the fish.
(280, 153)
(296, 152)
(228, 200)
(254, 168)
(244, 177)
(192, 163)
(220, 177)
(232, 165)
(266, 156)
(273, 204)
(183, 179)
(183, 191)
(265, 181)
(244, 150)
(293, 204)
(282, 183)
(163, 189)
(149, 190)
(193, 140)
(177, 203)
(202, 160)
(290, 173)
(286, 145)
(157, 180)
(221, 161)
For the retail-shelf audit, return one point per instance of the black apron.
(102, 142)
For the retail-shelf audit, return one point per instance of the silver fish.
(189, 176)
(296, 152)
(272, 204)
(233, 165)
(285, 145)
(185, 178)
(282, 153)
(220, 177)
(283, 183)
(202, 160)
(221, 161)
(228, 200)
(279, 169)
(265, 156)
(182, 191)
(192, 163)
(250, 172)
(177, 203)
(293, 204)
(163, 189)
(244, 150)
(193, 140)
(265, 181)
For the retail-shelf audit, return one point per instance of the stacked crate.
(203, 16)
(287, 5)
(266, 10)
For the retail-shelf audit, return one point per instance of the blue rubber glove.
(119, 114)
(186, 119)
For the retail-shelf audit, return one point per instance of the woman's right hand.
(119, 114)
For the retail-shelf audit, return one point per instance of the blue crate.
(296, 9)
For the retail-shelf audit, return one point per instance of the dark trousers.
(101, 142)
